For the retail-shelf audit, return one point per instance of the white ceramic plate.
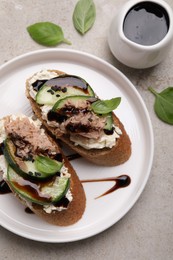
(107, 82)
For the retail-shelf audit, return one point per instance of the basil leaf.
(46, 165)
(105, 106)
(47, 33)
(163, 105)
(84, 15)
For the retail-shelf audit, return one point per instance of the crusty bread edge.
(116, 155)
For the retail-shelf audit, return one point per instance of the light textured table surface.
(146, 231)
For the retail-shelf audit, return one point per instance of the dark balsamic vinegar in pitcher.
(146, 23)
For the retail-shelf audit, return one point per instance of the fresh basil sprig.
(47, 34)
(46, 165)
(105, 106)
(84, 15)
(163, 105)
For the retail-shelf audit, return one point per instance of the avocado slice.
(39, 168)
(60, 87)
(41, 193)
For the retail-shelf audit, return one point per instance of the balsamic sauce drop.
(1, 148)
(63, 80)
(38, 84)
(73, 156)
(146, 23)
(53, 116)
(121, 181)
(4, 189)
(68, 80)
(28, 210)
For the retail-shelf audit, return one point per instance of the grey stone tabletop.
(146, 231)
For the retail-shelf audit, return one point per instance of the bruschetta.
(38, 173)
(71, 111)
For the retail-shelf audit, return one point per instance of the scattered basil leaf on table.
(84, 15)
(105, 106)
(46, 165)
(47, 33)
(163, 105)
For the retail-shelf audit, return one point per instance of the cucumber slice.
(72, 101)
(109, 122)
(58, 189)
(30, 169)
(60, 87)
(40, 193)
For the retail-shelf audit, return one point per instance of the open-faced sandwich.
(69, 109)
(38, 173)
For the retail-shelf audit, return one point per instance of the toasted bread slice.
(53, 213)
(116, 155)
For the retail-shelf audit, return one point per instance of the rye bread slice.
(76, 207)
(116, 155)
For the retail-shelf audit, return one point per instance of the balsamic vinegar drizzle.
(4, 189)
(38, 84)
(1, 148)
(73, 156)
(62, 80)
(121, 181)
(28, 211)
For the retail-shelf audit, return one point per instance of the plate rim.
(150, 129)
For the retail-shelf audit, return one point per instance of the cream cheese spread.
(43, 74)
(49, 208)
(103, 141)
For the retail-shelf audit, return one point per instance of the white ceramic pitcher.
(133, 54)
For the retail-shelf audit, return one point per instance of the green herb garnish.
(46, 165)
(47, 33)
(163, 105)
(84, 15)
(105, 106)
